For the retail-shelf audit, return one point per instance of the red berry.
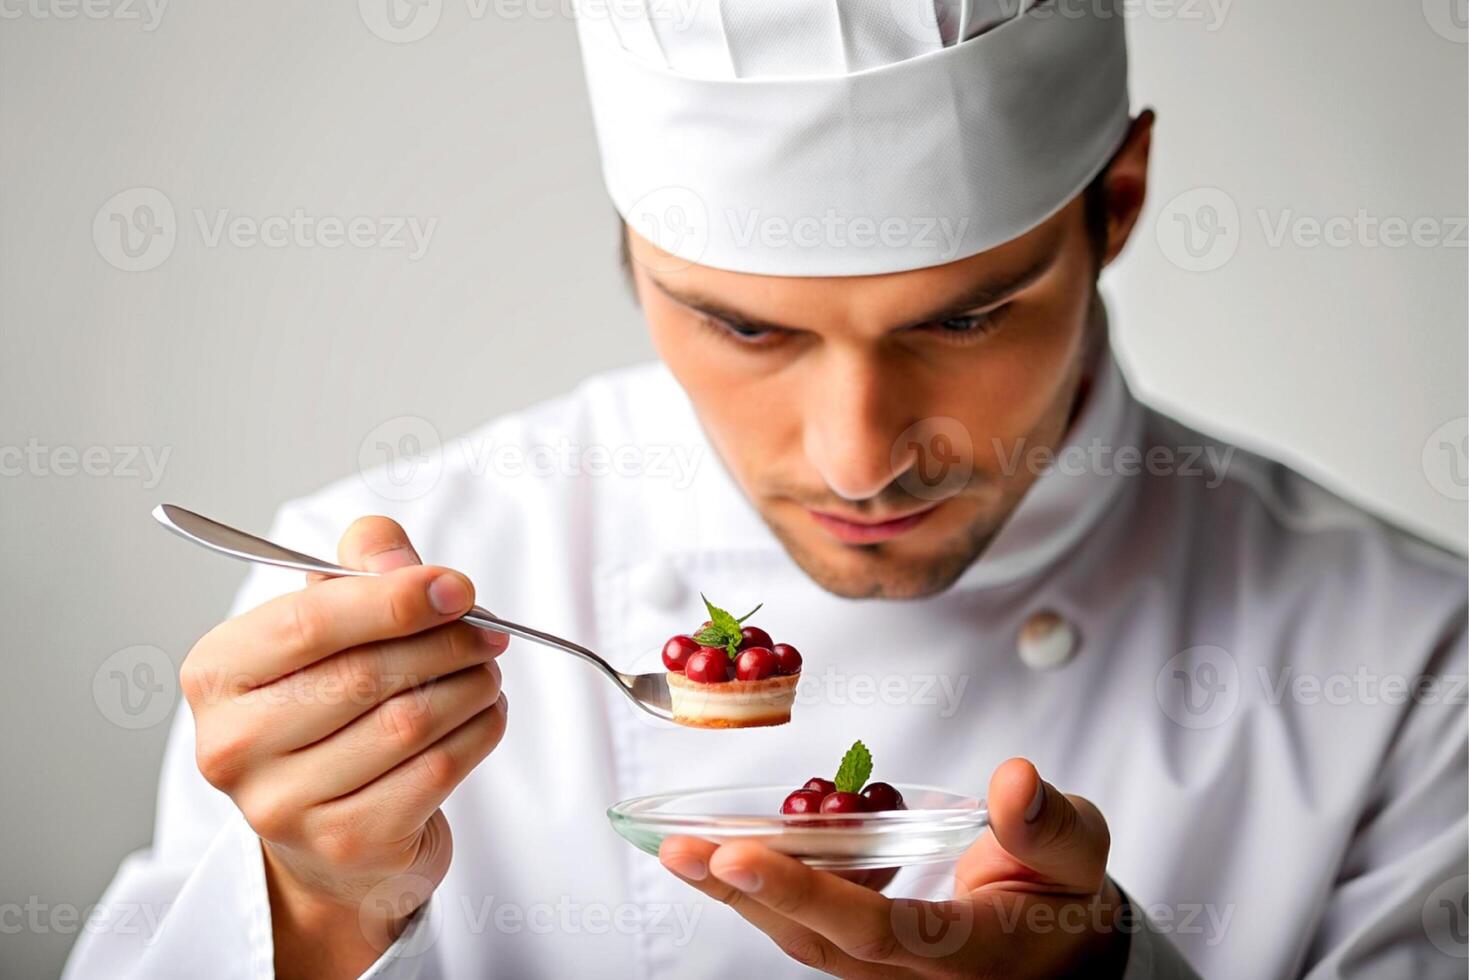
(844, 803)
(676, 652)
(708, 665)
(754, 636)
(787, 659)
(755, 664)
(882, 796)
(802, 801)
(823, 786)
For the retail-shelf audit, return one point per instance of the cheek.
(1020, 384)
(752, 419)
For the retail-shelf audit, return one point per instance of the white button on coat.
(1047, 641)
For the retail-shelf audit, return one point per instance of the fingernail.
(688, 867)
(1034, 810)
(742, 878)
(393, 558)
(448, 594)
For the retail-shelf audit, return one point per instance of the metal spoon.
(647, 691)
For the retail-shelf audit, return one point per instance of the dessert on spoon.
(729, 675)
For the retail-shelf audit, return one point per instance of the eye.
(740, 333)
(968, 328)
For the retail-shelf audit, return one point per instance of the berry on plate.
(845, 793)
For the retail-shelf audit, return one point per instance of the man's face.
(873, 421)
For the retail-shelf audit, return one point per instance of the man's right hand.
(338, 719)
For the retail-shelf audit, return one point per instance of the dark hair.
(1094, 208)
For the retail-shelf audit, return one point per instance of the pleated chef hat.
(849, 137)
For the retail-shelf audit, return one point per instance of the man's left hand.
(1031, 897)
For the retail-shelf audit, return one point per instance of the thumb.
(376, 544)
(1061, 838)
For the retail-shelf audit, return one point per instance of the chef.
(1217, 713)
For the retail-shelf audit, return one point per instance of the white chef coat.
(1201, 595)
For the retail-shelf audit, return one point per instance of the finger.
(857, 920)
(373, 544)
(376, 544)
(394, 806)
(312, 703)
(874, 878)
(688, 858)
(301, 628)
(1053, 839)
(394, 731)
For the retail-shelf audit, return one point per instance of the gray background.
(260, 370)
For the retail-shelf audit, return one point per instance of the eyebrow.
(979, 296)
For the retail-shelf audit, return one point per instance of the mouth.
(853, 530)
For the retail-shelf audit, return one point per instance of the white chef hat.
(849, 137)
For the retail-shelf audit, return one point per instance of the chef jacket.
(1261, 686)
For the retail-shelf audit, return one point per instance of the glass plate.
(937, 826)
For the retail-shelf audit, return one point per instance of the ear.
(1126, 184)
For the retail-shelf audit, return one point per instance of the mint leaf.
(855, 768)
(710, 636)
(720, 619)
(750, 613)
(723, 629)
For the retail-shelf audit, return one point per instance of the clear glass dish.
(937, 826)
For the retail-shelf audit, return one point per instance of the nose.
(855, 412)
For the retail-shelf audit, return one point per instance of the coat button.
(658, 585)
(1046, 641)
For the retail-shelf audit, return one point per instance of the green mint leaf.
(721, 620)
(855, 768)
(710, 636)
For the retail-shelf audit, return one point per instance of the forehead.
(879, 301)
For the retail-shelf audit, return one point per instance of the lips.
(855, 531)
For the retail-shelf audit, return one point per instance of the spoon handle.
(247, 547)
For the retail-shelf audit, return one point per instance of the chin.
(883, 571)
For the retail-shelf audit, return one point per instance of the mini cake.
(728, 675)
